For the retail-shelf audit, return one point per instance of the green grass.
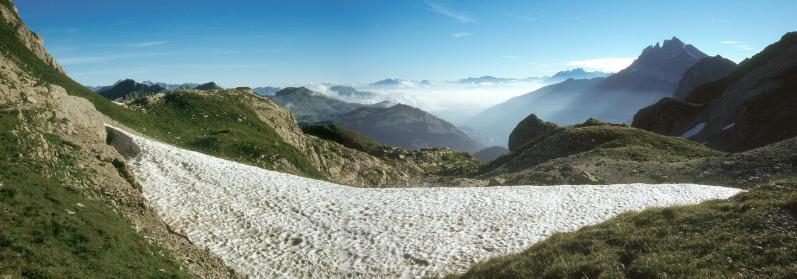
(753, 235)
(610, 142)
(220, 124)
(346, 137)
(221, 134)
(40, 238)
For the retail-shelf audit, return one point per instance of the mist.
(451, 101)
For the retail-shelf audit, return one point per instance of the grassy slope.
(608, 142)
(753, 235)
(243, 141)
(39, 238)
(346, 137)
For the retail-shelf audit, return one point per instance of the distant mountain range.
(266, 91)
(167, 86)
(577, 73)
(390, 123)
(485, 80)
(408, 127)
(351, 92)
(129, 89)
(310, 106)
(394, 82)
(616, 98)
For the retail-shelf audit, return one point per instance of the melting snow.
(267, 224)
(694, 131)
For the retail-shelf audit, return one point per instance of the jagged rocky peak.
(529, 129)
(670, 49)
(30, 39)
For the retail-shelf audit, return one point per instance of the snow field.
(267, 224)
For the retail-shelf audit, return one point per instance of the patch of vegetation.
(609, 142)
(345, 136)
(180, 120)
(752, 235)
(219, 124)
(49, 229)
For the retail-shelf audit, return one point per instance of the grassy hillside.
(346, 137)
(174, 121)
(603, 142)
(51, 229)
(752, 235)
(220, 124)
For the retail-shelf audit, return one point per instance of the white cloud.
(730, 42)
(613, 64)
(449, 13)
(461, 34)
(148, 44)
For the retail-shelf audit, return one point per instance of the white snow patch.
(267, 224)
(694, 131)
(729, 126)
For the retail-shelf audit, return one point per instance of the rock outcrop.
(29, 39)
(529, 129)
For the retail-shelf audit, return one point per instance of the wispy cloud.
(461, 35)
(449, 12)
(739, 45)
(610, 64)
(148, 44)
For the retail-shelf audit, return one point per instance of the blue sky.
(255, 43)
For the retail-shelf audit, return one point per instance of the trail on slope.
(268, 224)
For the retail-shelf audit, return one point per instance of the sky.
(279, 43)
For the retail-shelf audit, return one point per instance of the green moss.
(51, 230)
(752, 235)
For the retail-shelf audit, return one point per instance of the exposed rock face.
(706, 70)
(75, 120)
(408, 127)
(751, 107)
(31, 40)
(529, 129)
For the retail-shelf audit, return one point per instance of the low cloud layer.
(451, 101)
